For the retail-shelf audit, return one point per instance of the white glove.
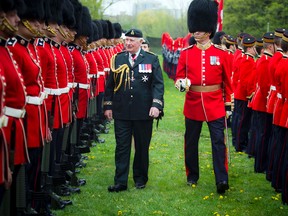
(228, 114)
(182, 84)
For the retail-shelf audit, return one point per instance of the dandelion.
(120, 213)
(206, 197)
(241, 191)
(221, 197)
(193, 185)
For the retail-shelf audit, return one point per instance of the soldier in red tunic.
(13, 140)
(259, 102)
(203, 71)
(247, 67)
(26, 57)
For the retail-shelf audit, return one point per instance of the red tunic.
(81, 71)
(100, 72)
(48, 66)
(273, 90)
(284, 93)
(28, 64)
(259, 100)
(92, 73)
(279, 83)
(245, 71)
(15, 98)
(62, 77)
(235, 68)
(205, 68)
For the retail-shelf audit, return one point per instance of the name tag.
(145, 68)
(214, 60)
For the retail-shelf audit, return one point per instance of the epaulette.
(219, 47)
(40, 42)
(151, 53)
(189, 47)
(11, 41)
(71, 48)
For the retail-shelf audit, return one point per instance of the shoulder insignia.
(71, 48)
(189, 47)
(218, 47)
(11, 41)
(40, 42)
(151, 53)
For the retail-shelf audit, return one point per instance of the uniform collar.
(24, 42)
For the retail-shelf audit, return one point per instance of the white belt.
(3, 121)
(17, 113)
(72, 85)
(279, 95)
(106, 69)
(273, 88)
(101, 73)
(52, 91)
(36, 100)
(84, 86)
(64, 90)
(92, 76)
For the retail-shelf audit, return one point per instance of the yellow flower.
(119, 213)
(221, 197)
(205, 198)
(241, 191)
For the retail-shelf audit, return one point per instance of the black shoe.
(140, 186)
(222, 187)
(117, 188)
(191, 182)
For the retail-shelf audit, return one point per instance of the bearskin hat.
(105, 29)
(85, 24)
(99, 29)
(68, 14)
(53, 11)
(118, 30)
(34, 10)
(203, 16)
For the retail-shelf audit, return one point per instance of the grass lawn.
(166, 192)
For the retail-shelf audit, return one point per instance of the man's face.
(201, 36)
(13, 18)
(132, 44)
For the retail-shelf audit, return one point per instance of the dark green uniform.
(130, 92)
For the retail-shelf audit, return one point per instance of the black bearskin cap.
(9, 5)
(34, 10)
(53, 11)
(99, 29)
(203, 16)
(85, 24)
(118, 30)
(105, 29)
(110, 30)
(68, 14)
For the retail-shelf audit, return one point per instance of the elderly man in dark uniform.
(204, 72)
(133, 97)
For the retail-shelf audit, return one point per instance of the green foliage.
(166, 192)
(95, 8)
(255, 16)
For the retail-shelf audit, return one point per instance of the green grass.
(166, 192)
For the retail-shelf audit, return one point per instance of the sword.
(227, 140)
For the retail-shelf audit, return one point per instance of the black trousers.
(242, 125)
(142, 132)
(219, 153)
(264, 127)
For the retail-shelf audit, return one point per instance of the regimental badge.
(145, 68)
(132, 32)
(145, 78)
(214, 60)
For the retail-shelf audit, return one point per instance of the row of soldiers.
(54, 62)
(259, 77)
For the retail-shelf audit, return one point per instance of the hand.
(183, 84)
(154, 112)
(108, 114)
(228, 114)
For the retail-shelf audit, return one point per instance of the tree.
(255, 16)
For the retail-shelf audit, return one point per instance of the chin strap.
(27, 24)
(5, 24)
